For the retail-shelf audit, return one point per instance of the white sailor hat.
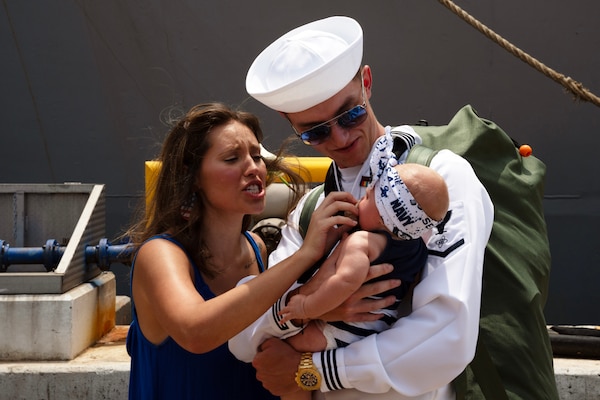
(307, 65)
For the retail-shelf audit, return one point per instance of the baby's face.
(368, 214)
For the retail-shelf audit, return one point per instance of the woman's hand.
(328, 222)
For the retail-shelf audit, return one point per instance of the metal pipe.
(49, 255)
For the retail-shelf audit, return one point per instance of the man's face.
(348, 147)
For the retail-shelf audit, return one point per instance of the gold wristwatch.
(308, 377)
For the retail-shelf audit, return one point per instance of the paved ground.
(102, 372)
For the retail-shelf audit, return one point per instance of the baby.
(403, 203)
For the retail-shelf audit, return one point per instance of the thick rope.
(579, 91)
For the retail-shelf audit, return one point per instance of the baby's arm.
(357, 252)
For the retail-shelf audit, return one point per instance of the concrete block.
(577, 379)
(123, 310)
(100, 372)
(57, 326)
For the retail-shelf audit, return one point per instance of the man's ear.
(367, 78)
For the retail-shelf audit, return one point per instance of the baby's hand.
(294, 309)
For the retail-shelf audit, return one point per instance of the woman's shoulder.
(160, 244)
(159, 239)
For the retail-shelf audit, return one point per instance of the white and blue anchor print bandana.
(398, 209)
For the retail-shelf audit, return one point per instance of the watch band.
(306, 360)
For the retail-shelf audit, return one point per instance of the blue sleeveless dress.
(167, 371)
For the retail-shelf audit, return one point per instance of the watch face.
(309, 379)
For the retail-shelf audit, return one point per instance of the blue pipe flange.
(51, 255)
(3, 253)
(102, 254)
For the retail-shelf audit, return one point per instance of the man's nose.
(339, 135)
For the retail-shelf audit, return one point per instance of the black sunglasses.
(348, 119)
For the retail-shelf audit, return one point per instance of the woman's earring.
(188, 206)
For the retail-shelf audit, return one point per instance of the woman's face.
(232, 175)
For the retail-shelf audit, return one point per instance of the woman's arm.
(162, 278)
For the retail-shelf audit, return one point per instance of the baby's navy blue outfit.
(408, 257)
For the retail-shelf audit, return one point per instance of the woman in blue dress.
(193, 247)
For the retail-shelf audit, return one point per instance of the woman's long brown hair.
(181, 157)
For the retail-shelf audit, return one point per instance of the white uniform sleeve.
(427, 349)
(245, 344)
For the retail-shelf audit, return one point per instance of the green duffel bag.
(514, 356)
